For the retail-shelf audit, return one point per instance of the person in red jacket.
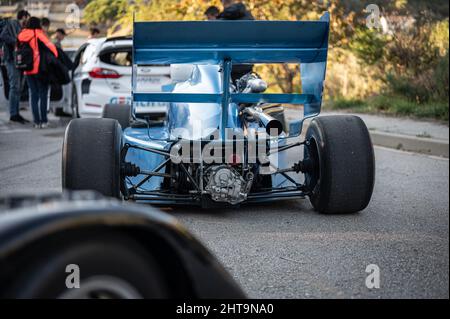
(38, 87)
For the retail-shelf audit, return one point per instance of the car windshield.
(88, 53)
(120, 56)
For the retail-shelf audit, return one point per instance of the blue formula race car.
(222, 141)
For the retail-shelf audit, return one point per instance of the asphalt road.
(286, 250)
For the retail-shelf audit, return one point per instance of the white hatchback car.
(102, 75)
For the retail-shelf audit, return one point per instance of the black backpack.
(23, 56)
(52, 69)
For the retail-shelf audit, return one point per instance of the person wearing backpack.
(233, 10)
(33, 36)
(8, 38)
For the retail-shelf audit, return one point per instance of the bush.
(409, 88)
(441, 79)
(392, 105)
(420, 62)
(431, 85)
(368, 45)
(343, 104)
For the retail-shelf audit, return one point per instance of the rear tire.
(343, 164)
(119, 112)
(91, 156)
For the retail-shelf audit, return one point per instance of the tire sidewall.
(75, 106)
(119, 112)
(320, 190)
(346, 163)
(112, 255)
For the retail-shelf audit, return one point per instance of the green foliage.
(441, 79)
(105, 11)
(439, 36)
(420, 62)
(348, 77)
(368, 45)
(408, 88)
(392, 105)
(344, 104)
(398, 105)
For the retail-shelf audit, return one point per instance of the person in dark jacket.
(52, 69)
(33, 34)
(8, 36)
(236, 11)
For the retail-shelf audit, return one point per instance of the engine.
(225, 184)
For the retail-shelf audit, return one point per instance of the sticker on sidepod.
(120, 100)
(127, 100)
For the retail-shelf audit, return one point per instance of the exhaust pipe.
(272, 125)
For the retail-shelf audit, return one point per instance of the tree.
(105, 11)
(360, 59)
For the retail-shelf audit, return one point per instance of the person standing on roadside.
(211, 13)
(8, 36)
(45, 24)
(38, 87)
(94, 33)
(59, 36)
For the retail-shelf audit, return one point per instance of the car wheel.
(108, 266)
(341, 173)
(91, 156)
(75, 108)
(282, 119)
(119, 112)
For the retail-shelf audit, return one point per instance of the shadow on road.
(300, 205)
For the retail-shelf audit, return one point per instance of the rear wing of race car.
(228, 42)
